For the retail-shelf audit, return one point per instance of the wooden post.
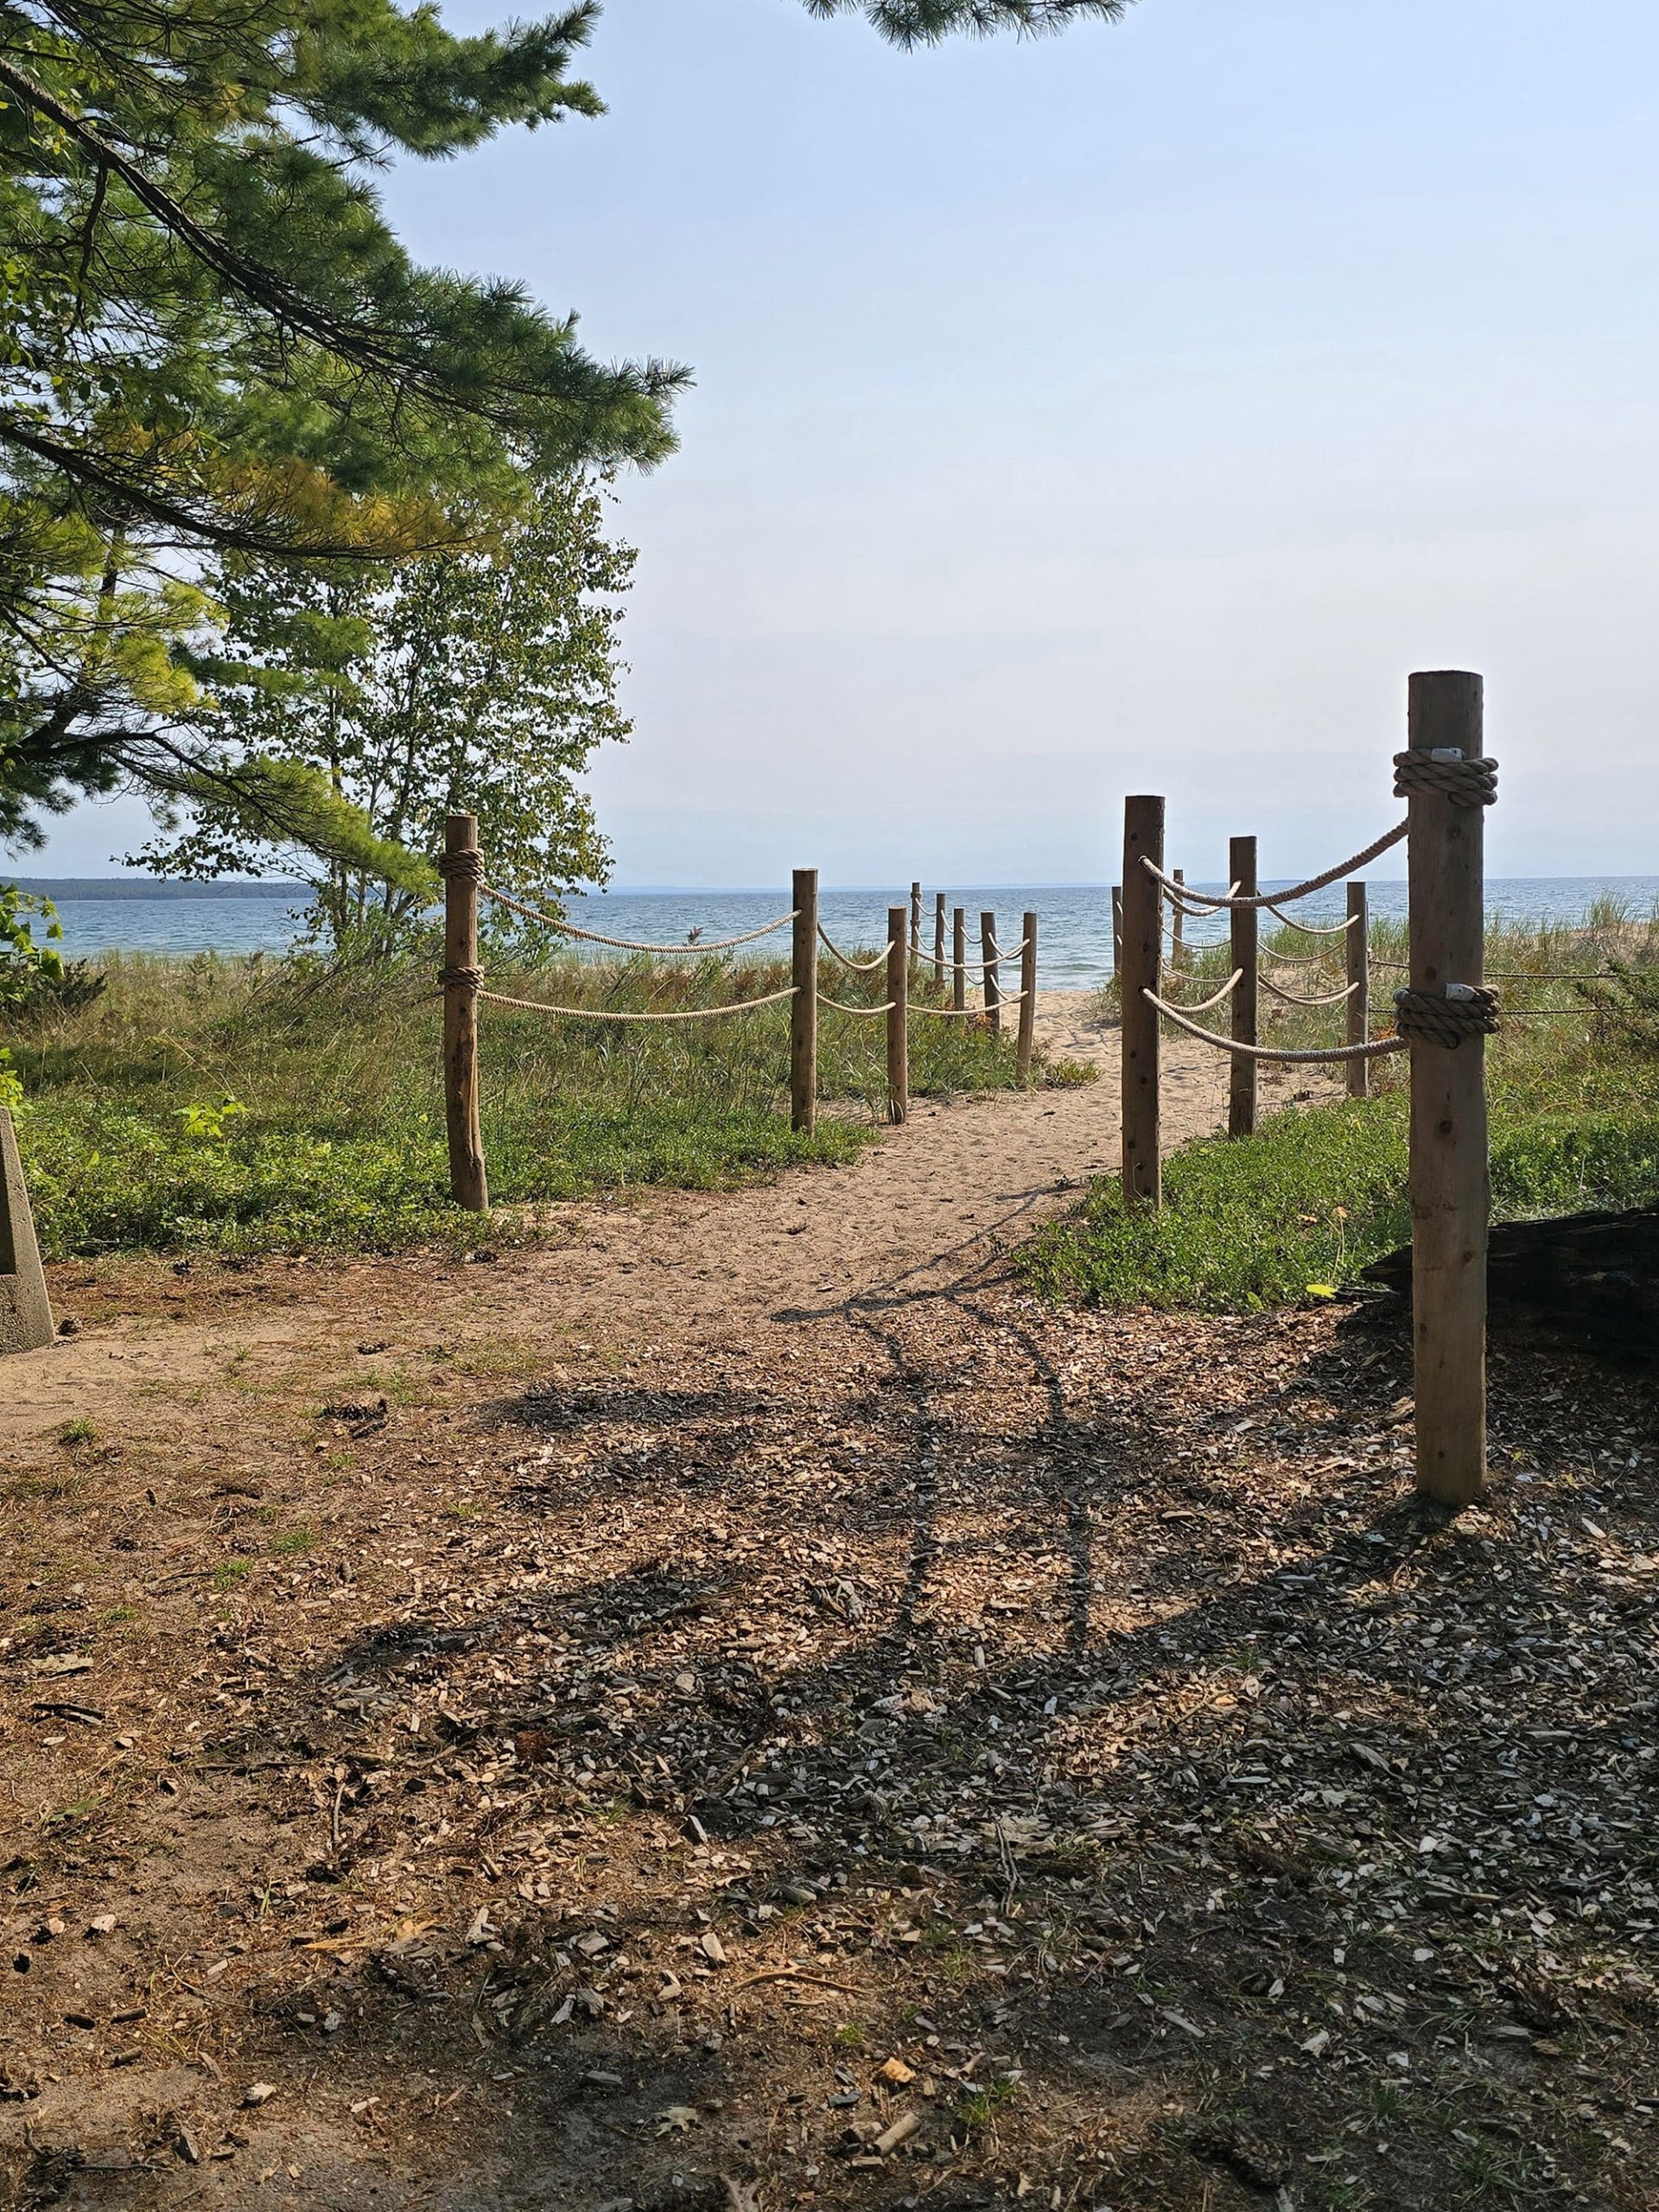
(1028, 1031)
(1246, 933)
(915, 925)
(938, 940)
(1450, 1191)
(991, 972)
(898, 1016)
(1117, 929)
(461, 870)
(959, 959)
(803, 1007)
(1142, 936)
(1176, 918)
(1359, 989)
(26, 1321)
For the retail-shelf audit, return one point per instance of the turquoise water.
(1074, 933)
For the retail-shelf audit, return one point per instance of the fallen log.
(1588, 1280)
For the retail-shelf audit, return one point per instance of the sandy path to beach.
(924, 1209)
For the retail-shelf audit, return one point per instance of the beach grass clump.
(253, 1104)
(1302, 1207)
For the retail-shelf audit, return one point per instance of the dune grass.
(249, 1104)
(1321, 1191)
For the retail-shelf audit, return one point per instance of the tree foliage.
(212, 344)
(925, 23)
(214, 348)
(482, 678)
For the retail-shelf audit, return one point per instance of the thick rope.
(1301, 890)
(608, 1014)
(1446, 1017)
(468, 978)
(628, 944)
(1519, 975)
(1468, 779)
(858, 966)
(950, 1013)
(1324, 998)
(1230, 985)
(1183, 899)
(465, 867)
(1312, 929)
(1370, 1052)
(1299, 959)
(886, 1007)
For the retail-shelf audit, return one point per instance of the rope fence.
(632, 1014)
(466, 987)
(686, 948)
(1440, 1017)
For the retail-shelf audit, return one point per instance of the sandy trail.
(909, 1217)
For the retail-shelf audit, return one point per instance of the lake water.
(1074, 934)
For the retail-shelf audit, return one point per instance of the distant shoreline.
(57, 887)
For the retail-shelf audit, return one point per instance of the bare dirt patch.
(564, 1729)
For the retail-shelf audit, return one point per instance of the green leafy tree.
(212, 344)
(482, 677)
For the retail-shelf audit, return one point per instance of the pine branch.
(925, 23)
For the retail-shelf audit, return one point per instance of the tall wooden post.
(1177, 920)
(461, 870)
(1450, 1190)
(803, 1007)
(1142, 934)
(1359, 987)
(1117, 929)
(1028, 1031)
(1246, 934)
(991, 972)
(959, 959)
(939, 939)
(915, 925)
(898, 1016)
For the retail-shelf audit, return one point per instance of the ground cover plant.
(1320, 1191)
(252, 1104)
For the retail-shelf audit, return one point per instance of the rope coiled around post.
(469, 979)
(1468, 779)
(1446, 1017)
(464, 868)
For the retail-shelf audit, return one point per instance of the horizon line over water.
(1074, 931)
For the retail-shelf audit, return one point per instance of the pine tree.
(212, 347)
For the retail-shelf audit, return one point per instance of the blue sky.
(1127, 410)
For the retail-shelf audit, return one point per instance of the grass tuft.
(1321, 1191)
(247, 1105)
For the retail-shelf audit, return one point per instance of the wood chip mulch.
(949, 1752)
